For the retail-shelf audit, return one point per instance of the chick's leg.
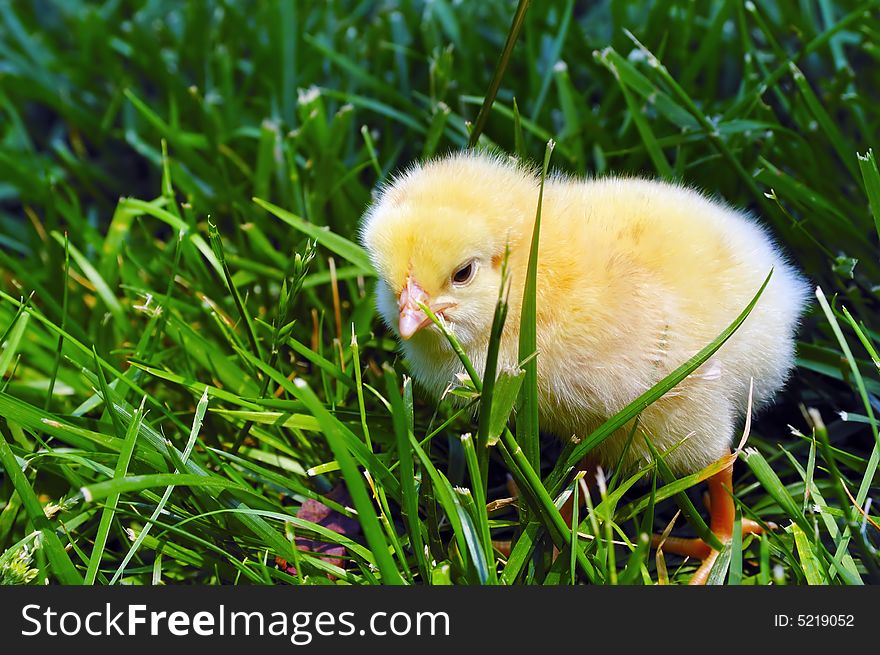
(748, 525)
(722, 515)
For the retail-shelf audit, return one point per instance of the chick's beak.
(412, 318)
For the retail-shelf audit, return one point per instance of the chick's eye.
(464, 274)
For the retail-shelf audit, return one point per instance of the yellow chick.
(634, 277)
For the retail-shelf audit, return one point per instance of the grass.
(189, 349)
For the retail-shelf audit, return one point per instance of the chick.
(634, 277)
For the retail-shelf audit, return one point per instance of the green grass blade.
(101, 286)
(489, 378)
(768, 479)
(464, 533)
(478, 495)
(277, 419)
(862, 493)
(735, 570)
(59, 560)
(109, 511)
(201, 408)
(841, 145)
(12, 341)
(506, 392)
(354, 481)
(407, 473)
(871, 179)
(506, 52)
(244, 314)
(809, 562)
(333, 242)
(655, 152)
(527, 419)
(101, 490)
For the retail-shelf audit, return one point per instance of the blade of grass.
(333, 242)
(64, 309)
(835, 136)
(862, 392)
(201, 408)
(506, 52)
(244, 314)
(655, 152)
(101, 288)
(99, 490)
(871, 178)
(354, 481)
(734, 571)
(481, 516)
(463, 530)
(109, 511)
(490, 375)
(811, 565)
(59, 560)
(527, 418)
(407, 473)
(12, 341)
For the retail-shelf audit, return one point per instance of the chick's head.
(437, 236)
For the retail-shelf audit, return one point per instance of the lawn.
(195, 387)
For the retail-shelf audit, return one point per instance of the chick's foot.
(722, 513)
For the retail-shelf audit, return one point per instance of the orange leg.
(722, 515)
